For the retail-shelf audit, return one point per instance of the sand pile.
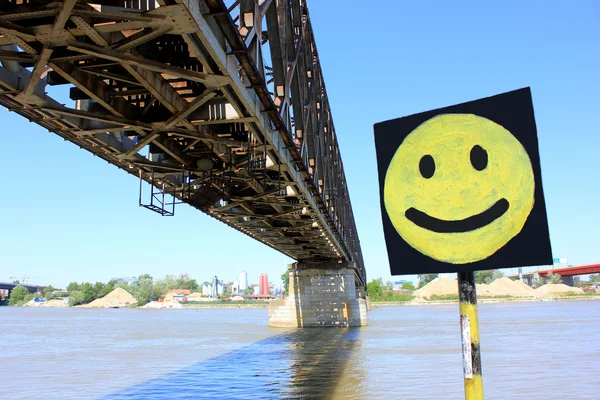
(117, 298)
(33, 303)
(507, 287)
(438, 287)
(51, 303)
(162, 304)
(55, 303)
(550, 289)
(484, 290)
(500, 287)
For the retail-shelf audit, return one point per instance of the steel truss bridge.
(220, 106)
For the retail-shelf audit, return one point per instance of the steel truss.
(231, 94)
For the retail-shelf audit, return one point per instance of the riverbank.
(225, 305)
(484, 300)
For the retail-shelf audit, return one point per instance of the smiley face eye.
(479, 158)
(427, 166)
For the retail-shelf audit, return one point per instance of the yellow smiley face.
(459, 188)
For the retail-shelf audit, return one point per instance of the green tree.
(375, 289)
(124, 286)
(17, 295)
(106, 290)
(16, 282)
(73, 286)
(540, 282)
(99, 289)
(553, 278)
(487, 276)
(285, 277)
(191, 285)
(48, 290)
(424, 279)
(30, 297)
(594, 278)
(408, 286)
(145, 290)
(76, 297)
(89, 292)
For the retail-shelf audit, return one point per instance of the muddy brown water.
(533, 350)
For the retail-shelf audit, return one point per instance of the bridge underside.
(222, 107)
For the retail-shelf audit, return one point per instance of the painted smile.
(471, 223)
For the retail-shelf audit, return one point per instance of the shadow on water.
(302, 364)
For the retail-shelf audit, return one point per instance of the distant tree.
(375, 289)
(192, 285)
(106, 289)
(29, 297)
(248, 290)
(89, 292)
(285, 277)
(145, 290)
(389, 286)
(424, 279)
(99, 289)
(594, 278)
(408, 286)
(73, 286)
(487, 276)
(76, 297)
(124, 286)
(162, 286)
(16, 282)
(17, 295)
(553, 278)
(540, 282)
(48, 290)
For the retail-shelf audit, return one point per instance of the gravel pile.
(439, 287)
(550, 289)
(116, 299)
(162, 304)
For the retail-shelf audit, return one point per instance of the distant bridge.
(220, 106)
(566, 274)
(10, 286)
(572, 271)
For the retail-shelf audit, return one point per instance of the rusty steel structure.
(220, 105)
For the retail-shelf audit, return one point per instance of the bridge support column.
(320, 295)
(568, 280)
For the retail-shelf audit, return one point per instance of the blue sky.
(69, 216)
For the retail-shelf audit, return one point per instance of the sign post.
(461, 191)
(469, 331)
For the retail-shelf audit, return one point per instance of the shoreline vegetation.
(492, 287)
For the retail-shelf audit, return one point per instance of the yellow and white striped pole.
(469, 331)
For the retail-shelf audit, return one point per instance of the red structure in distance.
(263, 283)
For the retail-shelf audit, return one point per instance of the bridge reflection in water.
(302, 364)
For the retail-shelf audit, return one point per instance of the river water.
(533, 350)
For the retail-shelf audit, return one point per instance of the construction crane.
(24, 279)
(214, 292)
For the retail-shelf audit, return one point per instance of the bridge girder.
(179, 93)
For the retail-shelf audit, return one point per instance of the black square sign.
(461, 187)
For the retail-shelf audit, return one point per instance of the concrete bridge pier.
(320, 295)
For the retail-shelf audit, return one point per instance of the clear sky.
(68, 216)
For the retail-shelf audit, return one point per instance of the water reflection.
(301, 364)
